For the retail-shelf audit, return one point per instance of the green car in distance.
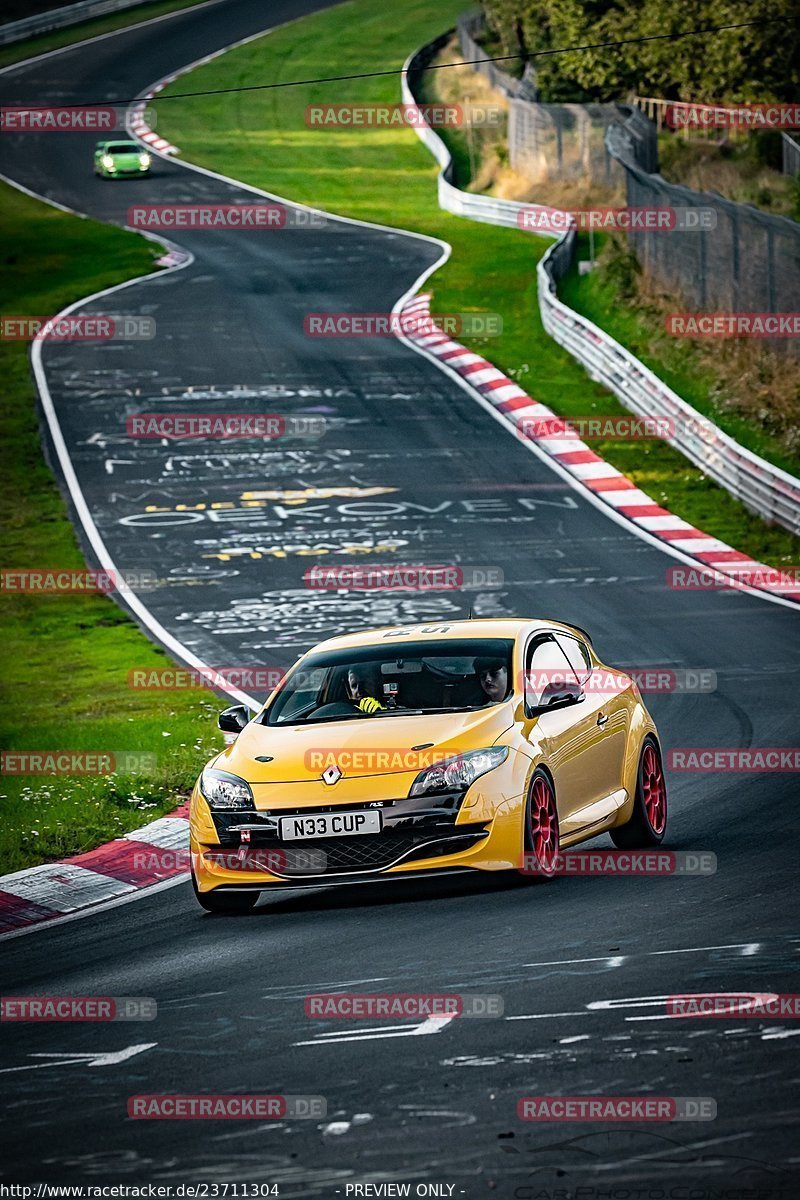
(113, 160)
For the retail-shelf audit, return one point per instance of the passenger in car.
(492, 675)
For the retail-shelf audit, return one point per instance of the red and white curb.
(173, 258)
(137, 125)
(584, 465)
(154, 854)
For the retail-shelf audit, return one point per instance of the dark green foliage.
(756, 64)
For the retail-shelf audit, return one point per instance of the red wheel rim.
(543, 826)
(654, 791)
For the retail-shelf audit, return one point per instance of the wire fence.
(545, 141)
(741, 261)
(562, 141)
(745, 260)
(468, 27)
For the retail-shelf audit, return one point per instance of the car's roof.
(437, 631)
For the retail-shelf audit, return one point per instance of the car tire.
(648, 822)
(542, 838)
(225, 902)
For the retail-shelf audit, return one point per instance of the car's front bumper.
(124, 172)
(408, 848)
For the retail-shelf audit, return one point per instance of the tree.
(748, 65)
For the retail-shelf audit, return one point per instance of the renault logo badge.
(331, 775)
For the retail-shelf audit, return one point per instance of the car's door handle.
(602, 719)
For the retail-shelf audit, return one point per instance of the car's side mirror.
(556, 696)
(234, 719)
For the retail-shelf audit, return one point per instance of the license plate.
(343, 824)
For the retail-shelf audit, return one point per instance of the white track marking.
(546, 1016)
(428, 1026)
(93, 1059)
(101, 551)
(565, 962)
(747, 949)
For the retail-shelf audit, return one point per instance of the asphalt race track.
(410, 469)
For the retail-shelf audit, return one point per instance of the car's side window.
(548, 671)
(577, 653)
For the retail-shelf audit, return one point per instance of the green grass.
(86, 29)
(66, 658)
(387, 176)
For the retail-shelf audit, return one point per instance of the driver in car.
(492, 675)
(362, 683)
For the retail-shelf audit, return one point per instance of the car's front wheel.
(225, 902)
(648, 822)
(541, 828)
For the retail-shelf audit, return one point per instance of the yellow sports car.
(484, 745)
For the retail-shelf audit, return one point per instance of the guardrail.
(60, 18)
(765, 489)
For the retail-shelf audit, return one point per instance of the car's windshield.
(122, 148)
(389, 681)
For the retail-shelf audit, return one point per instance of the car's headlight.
(222, 790)
(144, 160)
(457, 774)
(107, 161)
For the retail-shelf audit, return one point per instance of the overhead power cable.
(289, 83)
